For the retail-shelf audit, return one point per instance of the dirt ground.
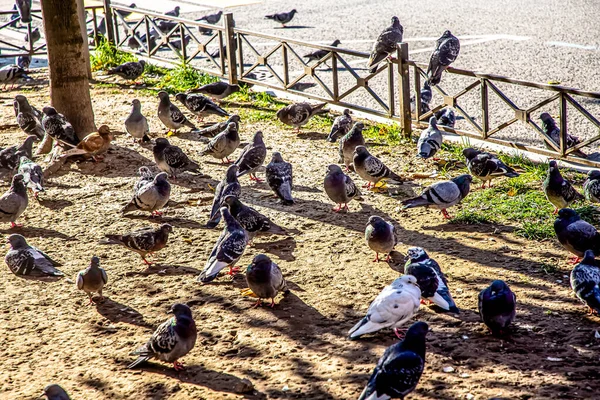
(299, 349)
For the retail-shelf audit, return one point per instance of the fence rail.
(238, 55)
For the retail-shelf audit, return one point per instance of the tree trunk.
(68, 64)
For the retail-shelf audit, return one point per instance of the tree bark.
(68, 62)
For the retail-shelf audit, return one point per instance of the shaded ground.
(299, 349)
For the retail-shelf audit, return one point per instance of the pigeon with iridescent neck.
(23, 259)
(14, 202)
(341, 126)
(229, 185)
(340, 188)
(170, 115)
(559, 191)
(33, 175)
(497, 307)
(386, 44)
(430, 140)
(252, 157)
(92, 279)
(348, 143)
(143, 241)
(372, 169)
(445, 53)
(380, 236)
(280, 178)
(442, 195)
(265, 280)
(171, 159)
(585, 282)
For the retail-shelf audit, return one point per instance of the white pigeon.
(393, 307)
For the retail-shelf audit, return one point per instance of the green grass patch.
(106, 56)
(387, 133)
(181, 79)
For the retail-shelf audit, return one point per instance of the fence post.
(231, 47)
(108, 21)
(404, 92)
(563, 125)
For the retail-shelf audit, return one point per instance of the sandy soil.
(299, 349)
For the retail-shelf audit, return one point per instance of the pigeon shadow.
(312, 135)
(36, 232)
(117, 312)
(283, 249)
(175, 221)
(294, 27)
(41, 278)
(165, 270)
(54, 204)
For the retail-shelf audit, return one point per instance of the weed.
(549, 268)
(471, 217)
(389, 133)
(106, 55)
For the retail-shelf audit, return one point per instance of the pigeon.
(94, 144)
(211, 18)
(442, 195)
(298, 114)
(486, 166)
(283, 18)
(23, 259)
(143, 241)
(33, 175)
(224, 144)
(151, 196)
(172, 159)
(126, 14)
(340, 188)
(371, 169)
(24, 8)
(431, 279)
(146, 176)
(426, 96)
(399, 369)
(446, 117)
(134, 43)
(430, 140)
(392, 308)
(170, 115)
(227, 251)
(217, 90)
(319, 54)
(35, 36)
(446, 50)
(585, 282)
(14, 17)
(252, 157)
(23, 61)
(497, 304)
(349, 142)
(92, 279)
(228, 186)
(341, 126)
(380, 236)
(265, 280)
(591, 187)
(174, 12)
(58, 128)
(100, 29)
(172, 340)
(129, 70)
(177, 43)
(28, 117)
(559, 191)
(219, 127)
(280, 178)
(575, 234)
(164, 27)
(251, 220)
(136, 124)
(386, 44)
(10, 156)
(550, 128)
(55, 392)
(11, 74)
(14, 202)
(201, 105)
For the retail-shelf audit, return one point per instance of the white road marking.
(573, 45)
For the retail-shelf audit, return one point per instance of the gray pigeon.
(341, 126)
(24, 8)
(10, 156)
(486, 166)
(58, 128)
(298, 114)
(129, 70)
(224, 144)
(283, 18)
(136, 124)
(446, 117)
(229, 185)
(211, 18)
(126, 14)
(559, 191)
(23, 259)
(426, 96)
(319, 54)
(371, 169)
(35, 36)
(146, 176)
(11, 74)
(280, 178)
(200, 105)
(340, 188)
(265, 280)
(575, 234)
(141, 42)
(442, 195)
(585, 282)
(172, 340)
(349, 142)
(14, 202)
(143, 241)
(386, 44)
(550, 128)
(497, 307)
(174, 12)
(227, 251)
(170, 115)
(219, 127)
(28, 117)
(591, 187)
(172, 159)
(430, 140)
(55, 392)
(380, 236)
(252, 157)
(92, 279)
(431, 279)
(151, 197)
(445, 53)
(14, 17)
(217, 90)
(33, 175)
